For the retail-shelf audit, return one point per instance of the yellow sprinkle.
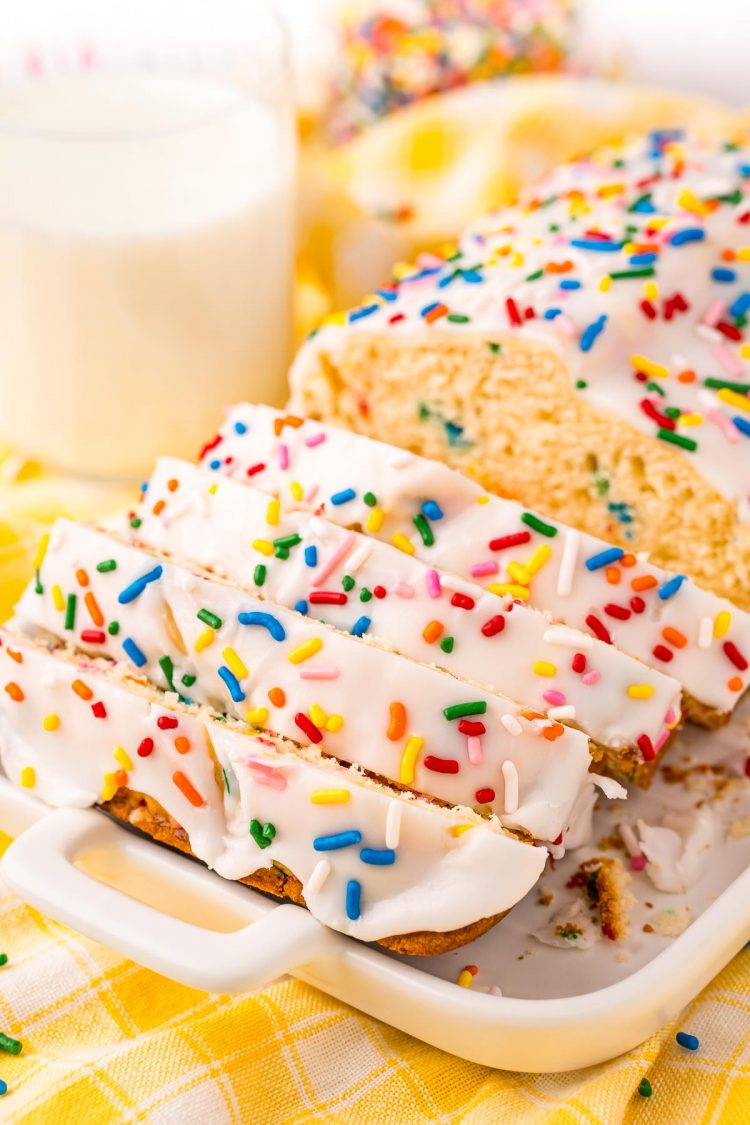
(58, 600)
(330, 796)
(212, 489)
(745, 351)
(296, 490)
(409, 758)
(721, 623)
(517, 259)
(257, 716)
(205, 639)
(265, 546)
(272, 512)
(544, 668)
(690, 202)
(334, 723)
(504, 589)
(640, 691)
(651, 291)
(605, 283)
(743, 254)
(459, 829)
(690, 419)
(742, 402)
(483, 499)
(375, 520)
(318, 715)
(51, 722)
(335, 318)
(648, 367)
(305, 651)
(519, 573)
(110, 787)
(41, 551)
(234, 663)
(465, 978)
(28, 777)
(122, 758)
(538, 559)
(403, 544)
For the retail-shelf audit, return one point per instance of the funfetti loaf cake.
(584, 351)
(449, 521)
(302, 561)
(366, 860)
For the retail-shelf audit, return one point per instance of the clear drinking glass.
(147, 158)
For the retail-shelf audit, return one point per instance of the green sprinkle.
(424, 530)
(625, 275)
(447, 644)
(677, 439)
(656, 389)
(259, 574)
(672, 411)
(497, 348)
(539, 525)
(581, 384)
(287, 541)
(644, 1088)
(226, 781)
(136, 522)
(167, 667)
(262, 834)
(107, 564)
(281, 553)
(365, 594)
(188, 679)
(370, 499)
(3, 958)
(347, 583)
(535, 275)
(423, 411)
(70, 612)
(461, 710)
(113, 628)
(721, 384)
(457, 318)
(209, 618)
(38, 588)
(12, 1046)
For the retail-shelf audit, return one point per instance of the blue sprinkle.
(359, 314)
(144, 486)
(337, 840)
(550, 314)
(353, 900)
(360, 626)
(135, 589)
(378, 857)
(590, 333)
(428, 308)
(133, 652)
(454, 435)
(599, 244)
(215, 464)
(233, 684)
(473, 276)
(685, 1039)
(311, 555)
(343, 497)
(670, 588)
(604, 558)
(644, 207)
(240, 428)
(742, 425)
(690, 234)
(432, 510)
(642, 259)
(570, 283)
(387, 294)
(721, 274)
(741, 305)
(301, 606)
(744, 169)
(266, 620)
(663, 136)
(3, 1088)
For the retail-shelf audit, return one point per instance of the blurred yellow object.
(414, 179)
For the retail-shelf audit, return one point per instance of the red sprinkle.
(648, 310)
(513, 314)
(100, 711)
(93, 637)
(637, 604)
(145, 747)
(209, 446)
(484, 796)
(747, 767)
(598, 629)
(473, 729)
(618, 611)
(462, 601)
(327, 597)
(655, 415)
(514, 540)
(379, 591)
(735, 655)
(256, 469)
(494, 626)
(729, 330)
(578, 663)
(166, 722)
(661, 652)
(440, 765)
(307, 726)
(646, 747)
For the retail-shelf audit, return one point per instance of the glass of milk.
(147, 156)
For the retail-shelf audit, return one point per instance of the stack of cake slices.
(350, 677)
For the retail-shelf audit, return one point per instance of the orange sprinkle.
(735, 684)
(559, 267)
(182, 744)
(15, 692)
(120, 778)
(728, 255)
(674, 636)
(289, 420)
(277, 697)
(17, 656)
(92, 606)
(82, 577)
(527, 713)
(436, 313)
(159, 507)
(553, 732)
(187, 789)
(433, 631)
(397, 725)
(173, 484)
(80, 688)
(613, 575)
(628, 560)
(645, 582)
(686, 376)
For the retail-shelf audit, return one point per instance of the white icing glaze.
(472, 520)
(353, 683)
(636, 198)
(440, 878)
(190, 514)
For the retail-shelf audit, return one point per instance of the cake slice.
(304, 562)
(416, 726)
(585, 351)
(369, 861)
(442, 517)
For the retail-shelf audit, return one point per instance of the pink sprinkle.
(661, 740)
(729, 362)
(480, 570)
(283, 456)
(266, 775)
(345, 547)
(591, 678)
(563, 323)
(311, 493)
(330, 673)
(554, 698)
(404, 590)
(314, 439)
(474, 750)
(670, 716)
(637, 862)
(714, 313)
(726, 425)
(432, 579)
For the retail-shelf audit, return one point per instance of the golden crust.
(604, 882)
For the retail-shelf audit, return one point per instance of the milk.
(146, 254)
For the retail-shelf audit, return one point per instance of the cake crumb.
(672, 921)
